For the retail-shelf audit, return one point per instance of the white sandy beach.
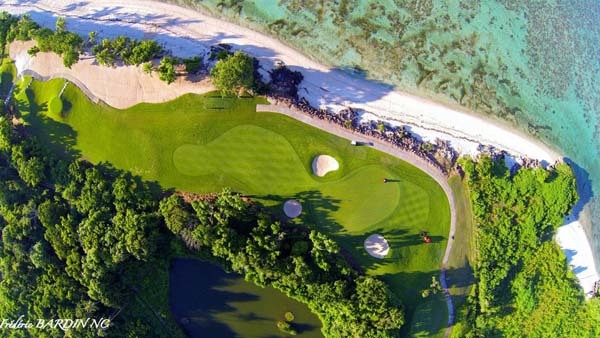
(188, 33)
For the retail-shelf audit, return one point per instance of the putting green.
(364, 199)
(204, 143)
(260, 158)
(265, 161)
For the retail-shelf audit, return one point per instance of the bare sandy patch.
(292, 208)
(120, 87)
(377, 246)
(322, 164)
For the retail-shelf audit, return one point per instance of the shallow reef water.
(533, 63)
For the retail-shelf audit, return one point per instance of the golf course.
(203, 143)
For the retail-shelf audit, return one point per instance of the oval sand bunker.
(292, 208)
(377, 246)
(322, 164)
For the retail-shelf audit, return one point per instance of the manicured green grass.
(203, 143)
(460, 273)
(8, 73)
(55, 105)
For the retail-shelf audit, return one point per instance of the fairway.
(204, 143)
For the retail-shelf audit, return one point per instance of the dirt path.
(406, 156)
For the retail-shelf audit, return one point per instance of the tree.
(233, 74)
(60, 24)
(92, 36)
(143, 51)
(5, 134)
(166, 70)
(434, 288)
(192, 65)
(70, 58)
(148, 67)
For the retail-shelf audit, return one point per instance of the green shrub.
(148, 67)
(192, 65)
(286, 327)
(166, 70)
(289, 316)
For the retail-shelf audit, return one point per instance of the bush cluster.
(129, 51)
(524, 285)
(305, 264)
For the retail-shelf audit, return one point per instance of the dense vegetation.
(77, 236)
(107, 52)
(7, 22)
(234, 74)
(524, 286)
(129, 51)
(305, 264)
(81, 240)
(75, 239)
(66, 44)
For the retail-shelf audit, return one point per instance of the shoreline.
(190, 31)
(322, 86)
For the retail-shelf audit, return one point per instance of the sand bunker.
(120, 87)
(377, 246)
(292, 208)
(322, 164)
(22, 61)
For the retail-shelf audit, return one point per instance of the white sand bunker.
(292, 208)
(322, 164)
(377, 246)
(22, 61)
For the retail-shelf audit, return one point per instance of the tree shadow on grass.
(316, 209)
(317, 213)
(59, 137)
(424, 317)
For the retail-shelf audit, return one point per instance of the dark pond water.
(208, 302)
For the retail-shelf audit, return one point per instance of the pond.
(206, 301)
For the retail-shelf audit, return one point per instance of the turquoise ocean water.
(533, 63)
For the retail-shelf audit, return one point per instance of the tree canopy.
(524, 286)
(66, 44)
(76, 238)
(233, 74)
(305, 264)
(166, 70)
(129, 51)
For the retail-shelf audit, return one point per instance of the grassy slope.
(8, 72)
(202, 143)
